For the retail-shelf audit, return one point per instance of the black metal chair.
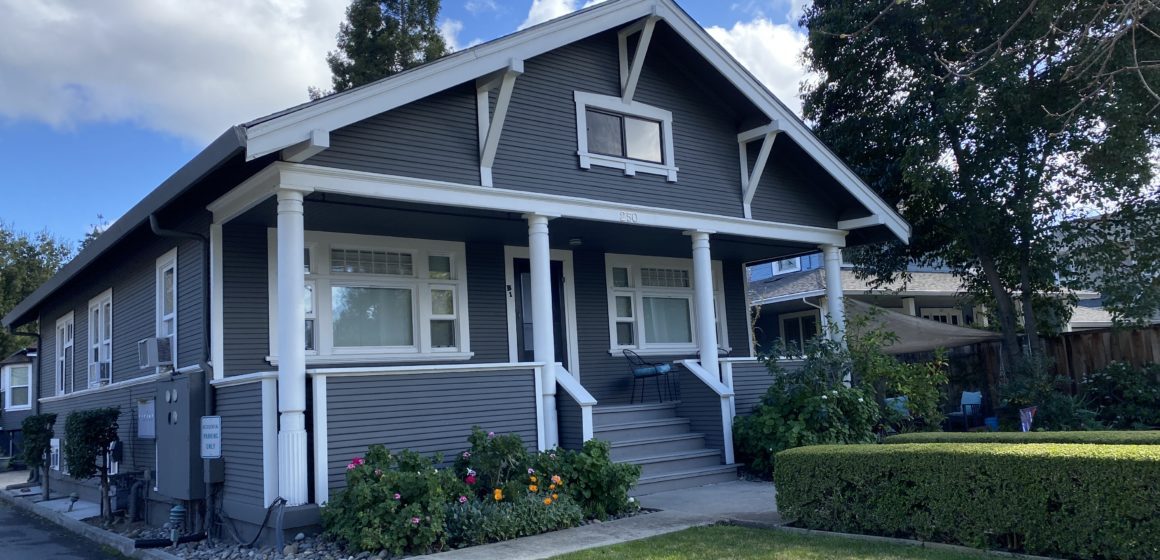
(641, 371)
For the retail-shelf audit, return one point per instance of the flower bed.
(495, 490)
(1073, 501)
(1100, 437)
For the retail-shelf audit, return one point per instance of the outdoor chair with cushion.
(970, 411)
(641, 371)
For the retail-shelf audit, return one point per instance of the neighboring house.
(17, 382)
(471, 242)
(788, 294)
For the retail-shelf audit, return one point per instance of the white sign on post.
(211, 437)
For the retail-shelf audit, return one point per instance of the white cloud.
(771, 51)
(476, 7)
(544, 10)
(190, 69)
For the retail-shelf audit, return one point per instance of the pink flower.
(357, 461)
(466, 454)
(491, 434)
(531, 471)
(398, 496)
(351, 466)
(414, 521)
(463, 499)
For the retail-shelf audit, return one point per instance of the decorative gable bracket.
(630, 68)
(751, 178)
(491, 123)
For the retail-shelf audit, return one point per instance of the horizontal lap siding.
(427, 413)
(785, 194)
(139, 453)
(245, 317)
(487, 302)
(240, 408)
(702, 407)
(750, 381)
(570, 421)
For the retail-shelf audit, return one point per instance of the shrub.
(1105, 438)
(1079, 501)
(808, 406)
(395, 502)
(597, 484)
(38, 434)
(474, 522)
(1124, 396)
(1030, 384)
(493, 461)
(885, 377)
(88, 435)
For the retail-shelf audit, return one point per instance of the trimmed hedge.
(1076, 501)
(1105, 438)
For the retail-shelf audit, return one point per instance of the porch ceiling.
(348, 214)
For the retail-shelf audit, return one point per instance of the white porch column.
(703, 302)
(543, 336)
(292, 473)
(908, 306)
(835, 306)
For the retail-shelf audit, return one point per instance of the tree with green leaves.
(88, 437)
(383, 37)
(967, 115)
(26, 262)
(37, 433)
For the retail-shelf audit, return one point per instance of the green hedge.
(1076, 501)
(1106, 438)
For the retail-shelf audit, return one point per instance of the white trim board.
(299, 125)
(572, 335)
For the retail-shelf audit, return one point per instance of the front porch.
(421, 320)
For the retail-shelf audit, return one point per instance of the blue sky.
(101, 101)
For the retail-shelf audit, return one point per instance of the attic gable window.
(634, 137)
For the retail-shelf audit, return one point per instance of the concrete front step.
(678, 462)
(643, 429)
(631, 450)
(611, 415)
(684, 479)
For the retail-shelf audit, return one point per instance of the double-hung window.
(101, 339)
(64, 354)
(17, 382)
(167, 301)
(650, 304)
(634, 137)
(371, 298)
(799, 328)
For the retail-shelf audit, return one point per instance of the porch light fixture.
(575, 242)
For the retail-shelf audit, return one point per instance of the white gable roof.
(288, 128)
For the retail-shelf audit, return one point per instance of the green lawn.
(742, 543)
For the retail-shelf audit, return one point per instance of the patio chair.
(641, 371)
(970, 411)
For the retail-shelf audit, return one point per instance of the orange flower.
(551, 487)
(556, 479)
(555, 496)
(547, 501)
(533, 488)
(498, 494)
(532, 478)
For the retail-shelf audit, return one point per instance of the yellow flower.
(532, 478)
(533, 488)
(498, 494)
(556, 479)
(551, 487)
(547, 501)
(555, 496)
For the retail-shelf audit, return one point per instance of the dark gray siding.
(787, 194)
(750, 381)
(434, 138)
(428, 413)
(702, 407)
(240, 407)
(487, 302)
(569, 421)
(245, 299)
(139, 453)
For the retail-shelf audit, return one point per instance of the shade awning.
(915, 334)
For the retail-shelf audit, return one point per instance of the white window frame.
(930, 314)
(638, 292)
(164, 263)
(65, 360)
(607, 103)
(796, 267)
(100, 346)
(798, 316)
(54, 455)
(113, 466)
(6, 380)
(420, 284)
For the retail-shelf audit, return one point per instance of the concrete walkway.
(680, 509)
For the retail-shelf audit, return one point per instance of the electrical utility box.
(180, 405)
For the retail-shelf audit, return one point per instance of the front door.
(522, 294)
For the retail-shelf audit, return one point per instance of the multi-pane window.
(64, 354)
(17, 380)
(167, 301)
(368, 295)
(651, 303)
(799, 328)
(632, 136)
(946, 315)
(101, 339)
(624, 136)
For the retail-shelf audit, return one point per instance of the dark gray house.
(474, 241)
(17, 379)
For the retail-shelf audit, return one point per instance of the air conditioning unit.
(155, 352)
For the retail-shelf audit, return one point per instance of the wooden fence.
(1078, 353)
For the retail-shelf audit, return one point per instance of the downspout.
(205, 322)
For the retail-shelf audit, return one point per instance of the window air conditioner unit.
(100, 374)
(154, 352)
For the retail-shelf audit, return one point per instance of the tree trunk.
(106, 505)
(1004, 307)
(1030, 326)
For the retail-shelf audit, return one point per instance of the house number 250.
(628, 217)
